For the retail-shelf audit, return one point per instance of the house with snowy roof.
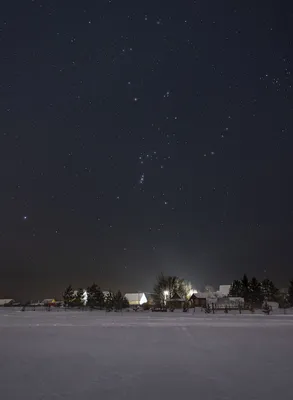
(136, 299)
(175, 301)
(6, 302)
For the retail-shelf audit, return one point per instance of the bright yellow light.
(192, 291)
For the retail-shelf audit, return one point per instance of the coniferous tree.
(109, 301)
(79, 298)
(118, 301)
(90, 297)
(95, 297)
(100, 298)
(68, 296)
(245, 288)
(125, 302)
(255, 295)
(269, 290)
(236, 289)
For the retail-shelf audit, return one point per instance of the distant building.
(48, 302)
(202, 299)
(198, 300)
(136, 299)
(6, 302)
(224, 290)
(175, 301)
(230, 302)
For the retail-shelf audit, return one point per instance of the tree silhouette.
(100, 298)
(172, 285)
(125, 302)
(245, 288)
(269, 290)
(118, 301)
(79, 298)
(109, 301)
(68, 296)
(236, 289)
(95, 297)
(255, 295)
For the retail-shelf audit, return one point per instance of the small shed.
(198, 300)
(175, 301)
(6, 302)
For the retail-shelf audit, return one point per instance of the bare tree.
(167, 286)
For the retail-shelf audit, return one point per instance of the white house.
(230, 302)
(6, 302)
(136, 299)
(210, 297)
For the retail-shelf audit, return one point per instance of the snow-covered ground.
(93, 355)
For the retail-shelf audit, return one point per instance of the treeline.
(94, 298)
(256, 292)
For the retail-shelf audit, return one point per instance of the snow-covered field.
(93, 355)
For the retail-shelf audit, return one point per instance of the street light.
(166, 294)
(191, 292)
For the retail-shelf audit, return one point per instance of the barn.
(198, 300)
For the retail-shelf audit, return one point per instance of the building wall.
(224, 289)
(199, 302)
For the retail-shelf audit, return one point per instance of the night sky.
(144, 136)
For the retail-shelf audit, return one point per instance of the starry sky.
(143, 136)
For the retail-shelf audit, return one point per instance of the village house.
(175, 302)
